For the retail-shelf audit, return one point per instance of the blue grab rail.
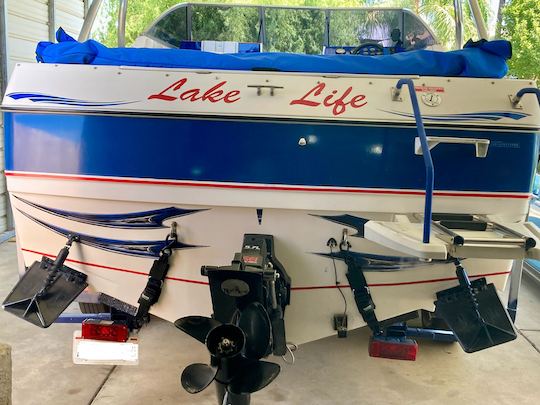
(527, 90)
(428, 162)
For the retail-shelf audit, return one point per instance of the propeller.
(197, 327)
(235, 352)
(196, 377)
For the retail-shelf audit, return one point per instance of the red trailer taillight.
(393, 348)
(104, 330)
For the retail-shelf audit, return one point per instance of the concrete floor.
(328, 371)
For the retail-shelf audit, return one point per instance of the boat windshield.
(289, 29)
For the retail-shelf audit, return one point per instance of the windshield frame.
(262, 19)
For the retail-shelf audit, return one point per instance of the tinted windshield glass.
(353, 27)
(416, 35)
(172, 28)
(222, 23)
(293, 30)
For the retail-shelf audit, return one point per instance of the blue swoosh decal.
(145, 219)
(348, 220)
(138, 248)
(476, 116)
(48, 99)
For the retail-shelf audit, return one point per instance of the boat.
(346, 188)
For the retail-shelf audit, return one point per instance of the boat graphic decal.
(145, 219)
(475, 116)
(348, 220)
(49, 99)
(379, 263)
(139, 248)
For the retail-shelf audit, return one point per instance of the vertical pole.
(327, 28)
(513, 293)
(3, 84)
(3, 47)
(51, 20)
(478, 19)
(458, 17)
(262, 27)
(188, 22)
(122, 14)
(89, 20)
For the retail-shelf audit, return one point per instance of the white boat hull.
(300, 236)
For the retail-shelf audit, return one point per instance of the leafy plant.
(521, 26)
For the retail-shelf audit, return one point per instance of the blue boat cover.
(477, 59)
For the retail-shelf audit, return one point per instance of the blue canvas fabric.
(477, 59)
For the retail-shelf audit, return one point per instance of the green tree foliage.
(283, 28)
(521, 26)
(227, 23)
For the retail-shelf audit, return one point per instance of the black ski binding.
(46, 289)
(475, 313)
(249, 299)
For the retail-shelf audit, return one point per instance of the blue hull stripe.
(263, 152)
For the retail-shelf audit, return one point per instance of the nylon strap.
(362, 294)
(156, 278)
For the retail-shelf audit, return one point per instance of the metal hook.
(345, 244)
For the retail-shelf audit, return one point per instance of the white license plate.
(88, 351)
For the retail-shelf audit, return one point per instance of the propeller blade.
(255, 324)
(197, 327)
(196, 377)
(254, 377)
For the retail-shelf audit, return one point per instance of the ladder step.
(465, 225)
(496, 241)
(452, 217)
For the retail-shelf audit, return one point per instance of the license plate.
(88, 351)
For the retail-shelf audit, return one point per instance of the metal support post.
(513, 293)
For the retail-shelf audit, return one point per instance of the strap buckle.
(156, 277)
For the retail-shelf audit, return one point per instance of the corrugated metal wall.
(69, 15)
(26, 23)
